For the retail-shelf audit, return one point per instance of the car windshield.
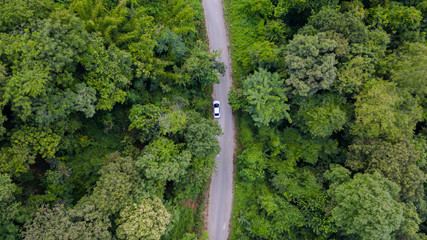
(216, 105)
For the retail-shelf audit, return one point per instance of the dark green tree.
(201, 68)
(200, 137)
(396, 161)
(329, 19)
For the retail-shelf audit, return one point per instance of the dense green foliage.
(104, 119)
(331, 105)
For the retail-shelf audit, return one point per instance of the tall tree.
(17, 12)
(9, 208)
(402, 22)
(410, 68)
(383, 110)
(321, 115)
(311, 64)
(60, 222)
(146, 220)
(329, 19)
(114, 188)
(163, 161)
(366, 206)
(266, 96)
(396, 161)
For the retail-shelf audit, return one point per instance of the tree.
(64, 223)
(236, 99)
(201, 68)
(262, 54)
(114, 188)
(366, 206)
(396, 161)
(146, 220)
(43, 141)
(311, 64)
(162, 161)
(266, 97)
(302, 6)
(354, 74)
(109, 73)
(252, 164)
(409, 68)
(200, 137)
(402, 22)
(297, 185)
(16, 159)
(59, 69)
(329, 19)
(409, 227)
(321, 115)
(173, 121)
(269, 215)
(145, 119)
(9, 208)
(17, 12)
(383, 110)
(298, 147)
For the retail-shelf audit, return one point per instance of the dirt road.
(221, 189)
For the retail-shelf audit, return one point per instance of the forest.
(106, 129)
(331, 111)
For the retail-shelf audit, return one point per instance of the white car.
(216, 111)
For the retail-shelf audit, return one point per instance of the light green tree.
(266, 96)
(402, 22)
(9, 208)
(60, 222)
(383, 110)
(353, 76)
(163, 161)
(114, 188)
(146, 220)
(366, 206)
(409, 68)
(17, 12)
(321, 115)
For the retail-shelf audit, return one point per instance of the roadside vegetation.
(106, 128)
(330, 98)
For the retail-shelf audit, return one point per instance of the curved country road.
(221, 189)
